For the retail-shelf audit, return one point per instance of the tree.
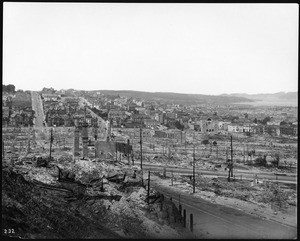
(255, 121)
(246, 115)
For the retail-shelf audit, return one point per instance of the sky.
(184, 48)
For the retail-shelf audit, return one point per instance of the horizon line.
(172, 92)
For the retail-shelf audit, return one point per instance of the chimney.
(76, 142)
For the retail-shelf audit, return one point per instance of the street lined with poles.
(217, 221)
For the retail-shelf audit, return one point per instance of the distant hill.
(276, 98)
(177, 98)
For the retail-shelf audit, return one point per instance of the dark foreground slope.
(27, 212)
(35, 204)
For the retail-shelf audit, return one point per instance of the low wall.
(105, 147)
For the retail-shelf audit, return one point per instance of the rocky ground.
(104, 194)
(104, 200)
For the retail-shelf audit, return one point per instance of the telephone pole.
(230, 162)
(185, 141)
(226, 152)
(51, 140)
(148, 191)
(194, 169)
(244, 153)
(96, 129)
(181, 137)
(141, 147)
(116, 151)
(231, 157)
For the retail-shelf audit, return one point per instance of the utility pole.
(230, 163)
(141, 147)
(231, 157)
(244, 153)
(116, 153)
(148, 191)
(185, 142)
(96, 130)
(194, 169)
(51, 141)
(181, 137)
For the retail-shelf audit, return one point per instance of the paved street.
(215, 221)
(37, 106)
(101, 122)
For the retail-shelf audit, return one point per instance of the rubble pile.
(277, 196)
(99, 191)
(264, 193)
(33, 212)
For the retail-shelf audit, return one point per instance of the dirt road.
(37, 106)
(218, 221)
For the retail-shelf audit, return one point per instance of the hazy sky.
(184, 48)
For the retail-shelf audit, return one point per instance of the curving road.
(214, 221)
